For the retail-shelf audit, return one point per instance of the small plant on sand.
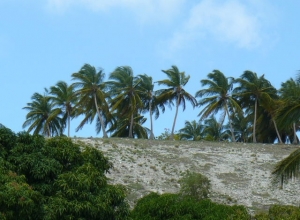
(195, 185)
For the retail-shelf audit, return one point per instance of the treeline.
(246, 109)
(56, 178)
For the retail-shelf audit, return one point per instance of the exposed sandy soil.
(239, 173)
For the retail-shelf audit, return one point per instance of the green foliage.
(287, 169)
(7, 140)
(166, 135)
(17, 199)
(173, 206)
(280, 212)
(56, 179)
(195, 185)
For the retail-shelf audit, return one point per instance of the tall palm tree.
(272, 108)
(146, 86)
(289, 113)
(219, 92)
(43, 118)
(126, 94)
(252, 91)
(65, 98)
(90, 90)
(175, 92)
(192, 131)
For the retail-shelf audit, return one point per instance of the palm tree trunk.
(231, 128)
(173, 127)
(100, 118)
(151, 121)
(254, 122)
(277, 132)
(295, 141)
(48, 131)
(69, 124)
(131, 127)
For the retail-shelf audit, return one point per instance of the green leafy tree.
(90, 88)
(56, 179)
(175, 82)
(43, 116)
(65, 98)
(126, 95)
(219, 92)
(253, 91)
(17, 199)
(192, 130)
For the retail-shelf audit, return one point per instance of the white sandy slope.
(239, 173)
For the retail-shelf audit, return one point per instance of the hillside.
(239, 173)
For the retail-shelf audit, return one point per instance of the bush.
(195, 185)
(280, 212)
(174, 206)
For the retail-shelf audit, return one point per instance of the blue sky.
(42, 42)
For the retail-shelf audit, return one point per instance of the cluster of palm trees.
(254, 111)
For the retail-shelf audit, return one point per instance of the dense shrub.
(280, 212)
(55, 179)
(195, 185)
(174, 206)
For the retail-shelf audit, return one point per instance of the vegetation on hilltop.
(254, 111)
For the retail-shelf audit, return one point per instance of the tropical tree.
(242, 126)
(64, 97)
(91, 96)
(219, 97)
(287, 169)
(43, 118)
(289, 113)
(271, 108)
(192, 131)
(122, 125)
(253, 91)
(214, 131)
(146, 87)
(126, 95)
(175, 82)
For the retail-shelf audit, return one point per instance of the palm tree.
(192, 131)
(219, 92)
(289, 113)
(121, 128)
(214, 131)
(125, 93)
(242, 126)
(91, 87)
(287, 168)
(252, 91)
(175, 92)
(65, 98)
(43, 118)
(271, 108)
(149, 99)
